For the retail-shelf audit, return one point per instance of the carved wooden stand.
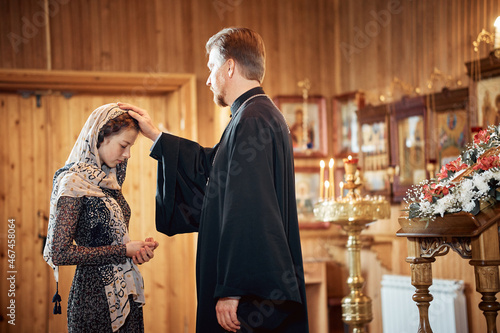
(472, 237)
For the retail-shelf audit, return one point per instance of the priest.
(239, 196)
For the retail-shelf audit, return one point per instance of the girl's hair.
(116, 125)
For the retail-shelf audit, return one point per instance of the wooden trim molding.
(135, 84)
(91, 81)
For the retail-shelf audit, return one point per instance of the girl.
(87, 206)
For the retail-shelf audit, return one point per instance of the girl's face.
(115, 149)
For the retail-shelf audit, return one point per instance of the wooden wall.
(170, 36)
(383, 40)
(341, 46)
(37, 141)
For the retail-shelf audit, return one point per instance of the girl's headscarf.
(86, 177)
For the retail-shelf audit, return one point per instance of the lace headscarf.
(88, 176)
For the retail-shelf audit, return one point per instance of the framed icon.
(307, 123)
(345, 123)
(307, 183)
(408, 155)
(374, 151)
(449, 121)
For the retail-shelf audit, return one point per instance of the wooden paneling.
(341, 46)
(23, 36)
(36, 141)
(170, 36)
(316, 294)
(408, 39)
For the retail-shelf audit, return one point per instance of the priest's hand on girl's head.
(142, 116)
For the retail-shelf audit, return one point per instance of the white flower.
(496, 176)
(469, 206)
(444, 204)
(465, 191)
(481, 181)
(464, 194)
(426, 206)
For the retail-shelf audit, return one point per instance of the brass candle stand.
(353, 213)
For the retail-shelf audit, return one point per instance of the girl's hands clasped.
(141, 251)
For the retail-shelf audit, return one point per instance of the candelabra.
(353, 213)
(489, 38)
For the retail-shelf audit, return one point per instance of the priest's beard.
(219, 100)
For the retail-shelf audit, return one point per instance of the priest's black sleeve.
(183, 170)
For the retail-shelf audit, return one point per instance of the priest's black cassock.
(240, 197)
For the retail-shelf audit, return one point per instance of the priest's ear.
(231, 67)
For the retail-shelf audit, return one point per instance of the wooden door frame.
(132, 83)
(178, 92)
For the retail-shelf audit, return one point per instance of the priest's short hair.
(245, 47)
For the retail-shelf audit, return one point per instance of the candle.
(341, 185)
(351, 160)
(327, 185)
(331, 179)
(497, 33)
(321, 179)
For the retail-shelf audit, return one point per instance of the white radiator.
(447, 311)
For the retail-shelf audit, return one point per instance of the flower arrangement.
(467, 184)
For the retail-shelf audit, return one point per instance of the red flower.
(453, 166)
(442, 191)
(427, 193)
(481, 137)
(486, 163)
(443, 174)
(456, 165)
(435, 190)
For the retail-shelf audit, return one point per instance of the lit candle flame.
(496, 44)
(321, 178)
(327, 185)
(331, 179)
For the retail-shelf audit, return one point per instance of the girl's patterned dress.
(86, 221)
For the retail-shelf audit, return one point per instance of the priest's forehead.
(215, 59)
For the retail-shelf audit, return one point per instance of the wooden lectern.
(474, 237)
